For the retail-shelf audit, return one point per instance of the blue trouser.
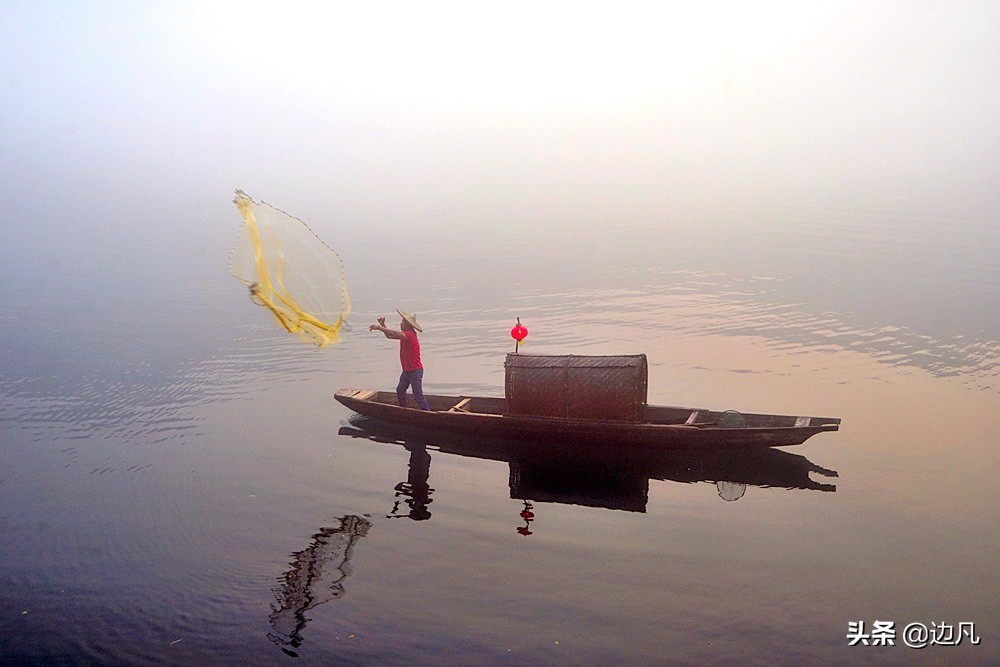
(416, 379)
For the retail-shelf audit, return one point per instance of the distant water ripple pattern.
(696, 304)
(144, 406)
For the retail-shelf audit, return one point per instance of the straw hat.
(412, 319)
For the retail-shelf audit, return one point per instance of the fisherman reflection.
(317, 576)
(415, 491)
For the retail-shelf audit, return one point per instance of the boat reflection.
(593, 477)
(316, 576)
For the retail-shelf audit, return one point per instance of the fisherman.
(409, 357)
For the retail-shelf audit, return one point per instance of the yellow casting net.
(291, 272)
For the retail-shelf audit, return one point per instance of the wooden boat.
(662, 426)
(588, 400)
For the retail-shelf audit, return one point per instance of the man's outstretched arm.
(389, 333)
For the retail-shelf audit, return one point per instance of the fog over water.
(430, 114)
(787, 207)
(838, 125)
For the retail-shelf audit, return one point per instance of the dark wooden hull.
(670, 432)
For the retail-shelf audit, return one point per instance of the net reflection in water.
(316, 577)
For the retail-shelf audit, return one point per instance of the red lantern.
(518, 333)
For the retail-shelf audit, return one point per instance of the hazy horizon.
(425, 113)
(620, 138)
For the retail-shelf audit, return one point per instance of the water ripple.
(705, 304)
(144, 405)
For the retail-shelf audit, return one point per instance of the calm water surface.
(178, 486)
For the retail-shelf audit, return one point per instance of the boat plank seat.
(693, 418)
(460, 406)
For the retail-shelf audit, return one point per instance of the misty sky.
(442, 112)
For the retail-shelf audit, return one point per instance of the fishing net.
(732, 419)
(730, 491)
(291, 272)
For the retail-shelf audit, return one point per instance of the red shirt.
(409, 351)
